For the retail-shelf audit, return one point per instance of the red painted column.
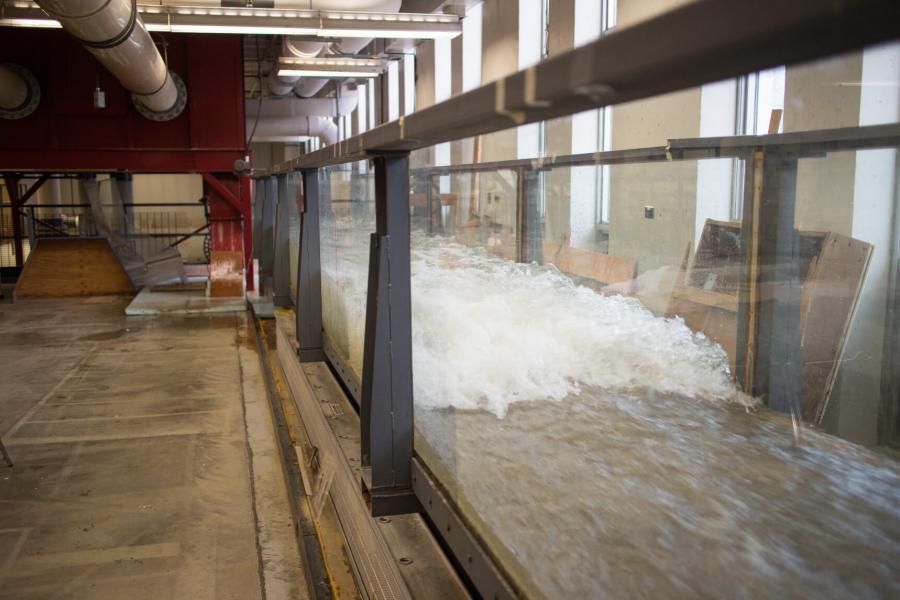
(226, 262)
(247, 213)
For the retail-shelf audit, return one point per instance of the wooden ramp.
(66, 267)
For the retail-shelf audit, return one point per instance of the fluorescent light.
(242, 29)
(417, 34)
(322, 73)
(265, 21)
(42, 23)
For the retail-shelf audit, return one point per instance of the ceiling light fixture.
(264, 21)
(325, 74)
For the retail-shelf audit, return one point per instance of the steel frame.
(309, 276)
(281, 267)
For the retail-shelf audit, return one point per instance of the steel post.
(309, 280)
(281, 266)
(778, 362)
(386, 411)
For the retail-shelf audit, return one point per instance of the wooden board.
(62, 268)
(828, 302)
(603, 268)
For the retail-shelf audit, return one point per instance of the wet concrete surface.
(132, 473)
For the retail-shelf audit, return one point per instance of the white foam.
(489, 332)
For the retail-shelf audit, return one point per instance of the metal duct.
(303, 107)
(20, 92)
(310, 86)
(298, 48)
(114, 33)
(289, 129)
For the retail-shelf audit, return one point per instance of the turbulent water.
(602, 451)
(489, 332)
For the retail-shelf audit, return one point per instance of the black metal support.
(778, 362)
(435, 214)
(529, 227)
(309, 274)
(386, 411)
(267, 234)
(281, 268)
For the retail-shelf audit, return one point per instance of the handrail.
(798, 144)
(704, 41)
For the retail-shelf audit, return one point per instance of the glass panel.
(347, 218)
(626, 375)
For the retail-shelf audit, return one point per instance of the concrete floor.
(132, 474)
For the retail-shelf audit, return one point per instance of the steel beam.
(529, 229)
(778, 361)
(266, 240)
(386, 411)
(309, 274)
(281, 266)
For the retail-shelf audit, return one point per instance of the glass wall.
(627, 372)
(639, 372)
(347, 218)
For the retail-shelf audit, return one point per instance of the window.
(442, 90)
(591, 132)
(533, 20)
(471, 42)
(409, 83)
(393, 78)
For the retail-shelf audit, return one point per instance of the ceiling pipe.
(20, 92)
(296, 48)
(289, 129)
(114, 33)
(310, 86)
(303, 107)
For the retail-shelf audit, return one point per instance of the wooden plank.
(829, 300)
(603, 268)
(61, 268)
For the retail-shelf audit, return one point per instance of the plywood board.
(828, 301)
(61, 268)
(585, 263)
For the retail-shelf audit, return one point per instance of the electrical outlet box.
(649, 212)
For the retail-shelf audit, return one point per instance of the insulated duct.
(289, 129)
(114, 33)
(20, 92)
(304, 107)
(296, 48)
(310, 86)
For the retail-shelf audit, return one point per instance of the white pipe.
(310, 86)
(304, 107)
(130, 56)
(288, 129)
(13, 89)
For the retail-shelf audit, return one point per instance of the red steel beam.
(223, 191)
